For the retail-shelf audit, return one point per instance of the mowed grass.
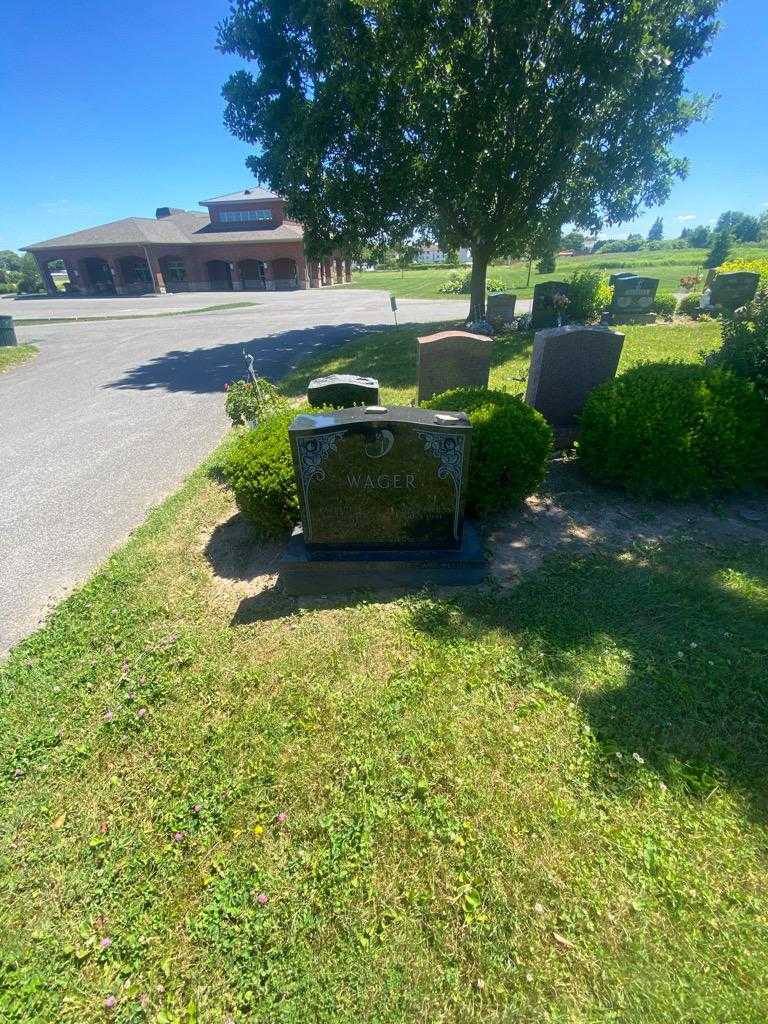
(667, 265)
(543, 804)
(540, 804)
(14, 355)
(390, 355)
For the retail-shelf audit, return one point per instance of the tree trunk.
(530, 264)
(477, 286)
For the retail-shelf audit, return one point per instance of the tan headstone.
(453, 359)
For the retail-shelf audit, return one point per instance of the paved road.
(112, 416)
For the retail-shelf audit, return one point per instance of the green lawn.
(540, 804)
(668, 266)
(11, 356)
(390, 355)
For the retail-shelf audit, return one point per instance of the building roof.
(246, 195)
(184, 228)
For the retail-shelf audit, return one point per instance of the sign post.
(393, 305)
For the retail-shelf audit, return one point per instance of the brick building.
(244, 243)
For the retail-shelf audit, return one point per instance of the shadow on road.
(207, 370)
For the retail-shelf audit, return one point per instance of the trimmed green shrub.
(675, 430)
(511, 444)
(665, 305)
(459, 282)
(689, 305)
(258, 468)
(744, 347)
(589, 296)
(248, 401)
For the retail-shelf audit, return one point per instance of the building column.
(302, 273)
(347, 270)
(42, 266)
(155, 271)
(117, 276)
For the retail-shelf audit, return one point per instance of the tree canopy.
(656, 232)
(488, 123)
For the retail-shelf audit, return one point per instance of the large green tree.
(489, 123)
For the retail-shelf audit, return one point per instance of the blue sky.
(109, 110)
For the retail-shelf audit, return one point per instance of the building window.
(239, 216)
(175, 271)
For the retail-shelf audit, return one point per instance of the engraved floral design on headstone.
(449, 449)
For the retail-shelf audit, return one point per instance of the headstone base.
(337, 571)
(631, 318)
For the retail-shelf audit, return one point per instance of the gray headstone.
(543, 310)
(567, 363)
(633, 296)
(381, 478)
(734, 289)
(501, 304)
(343, 390)
(453, 359)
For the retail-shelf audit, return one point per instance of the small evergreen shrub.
(744, 347)
(248, 401)
(589, 296)
(689, 305)
(510, 446)
(665, 305)
(257, 466)
(675, 430)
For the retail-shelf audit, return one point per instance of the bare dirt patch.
(570, 514)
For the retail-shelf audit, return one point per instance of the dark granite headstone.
(544, 312)
(381, 478)
(734, 289)
(453, 359)
(633, 296)
(501, 304)
(342, 390)
(625, 274)
(567, 363)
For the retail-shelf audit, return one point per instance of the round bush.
(510, 446)
(689, 304)
(665, 305)
(258, 467)
(675, 430)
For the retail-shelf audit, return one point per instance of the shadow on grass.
(389, 355)
(692, 697)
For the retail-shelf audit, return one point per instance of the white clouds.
(686, 216)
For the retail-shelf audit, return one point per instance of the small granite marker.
(342, 390)
(543, 310)
(734, 289)
(633, 297)
(381, 493)
(452, 359)
(501, 304)
(566, 365)
(7, 331)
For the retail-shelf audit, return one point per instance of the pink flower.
(262, 899)
(110, 1002)
(106, 942)
(108, 716)
(141, 712)
(178, 837)
(226, 387)
(281, 818)
(197, 808)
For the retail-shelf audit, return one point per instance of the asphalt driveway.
(112, 416)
